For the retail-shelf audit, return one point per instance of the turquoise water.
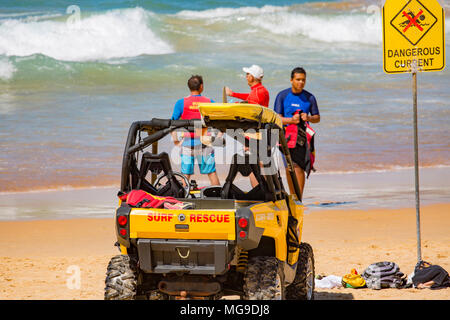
(73, 79)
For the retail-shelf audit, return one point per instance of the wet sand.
(339, 190)
(40, 259)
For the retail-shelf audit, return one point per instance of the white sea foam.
(7, 69)
(20, 14)
(360, 27)
(114, 34)
(217, 13)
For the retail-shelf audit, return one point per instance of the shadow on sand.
(332, 296)
(329, 204)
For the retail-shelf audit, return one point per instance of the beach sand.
(40, 259)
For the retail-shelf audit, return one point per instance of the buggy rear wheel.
(302, 288)
(264, 279)
(121, 278)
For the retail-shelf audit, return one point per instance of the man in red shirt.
(258, 94)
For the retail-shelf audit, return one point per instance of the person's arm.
(177, 112)
(278, 107)
(311, 118)
(314, 110)
(242, 96)
(294, 120)
(176, 142)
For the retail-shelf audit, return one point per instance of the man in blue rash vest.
(293, 103)
(191, 147)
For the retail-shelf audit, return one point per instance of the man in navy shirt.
(292, 104)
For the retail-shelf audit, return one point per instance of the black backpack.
(383, 275)
(425, 272)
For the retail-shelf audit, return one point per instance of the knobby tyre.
(302, 288)
(264, 279)
(121, 278)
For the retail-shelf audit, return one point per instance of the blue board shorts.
(205, 160)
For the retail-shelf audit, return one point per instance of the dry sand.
(38, 259)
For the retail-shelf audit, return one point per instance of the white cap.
(255, 71)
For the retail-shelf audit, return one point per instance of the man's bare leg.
(289, 180)
(300, 174)
(213, 178)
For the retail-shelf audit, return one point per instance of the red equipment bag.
(293, 136)
(142, 199)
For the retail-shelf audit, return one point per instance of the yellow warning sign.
(413, 36)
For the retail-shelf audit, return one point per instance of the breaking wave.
(222, 13)
(358, 26)
(113, 34)
(7, 69)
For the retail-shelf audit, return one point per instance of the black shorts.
(298, 155)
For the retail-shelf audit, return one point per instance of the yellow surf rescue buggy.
(228, 242)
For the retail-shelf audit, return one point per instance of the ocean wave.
(362, 24)
(7, 69)
(113, 34)
(219, 13)
(360, 28)
(359, 25)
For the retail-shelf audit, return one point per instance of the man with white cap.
(258, 94)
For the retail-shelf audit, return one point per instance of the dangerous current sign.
(413, 35)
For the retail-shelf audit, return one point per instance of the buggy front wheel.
(302, 288)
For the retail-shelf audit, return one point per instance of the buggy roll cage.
(159, 128)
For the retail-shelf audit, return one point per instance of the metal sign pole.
(416, 160)
(424, 28)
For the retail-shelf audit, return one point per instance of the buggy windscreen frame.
(159, 128)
